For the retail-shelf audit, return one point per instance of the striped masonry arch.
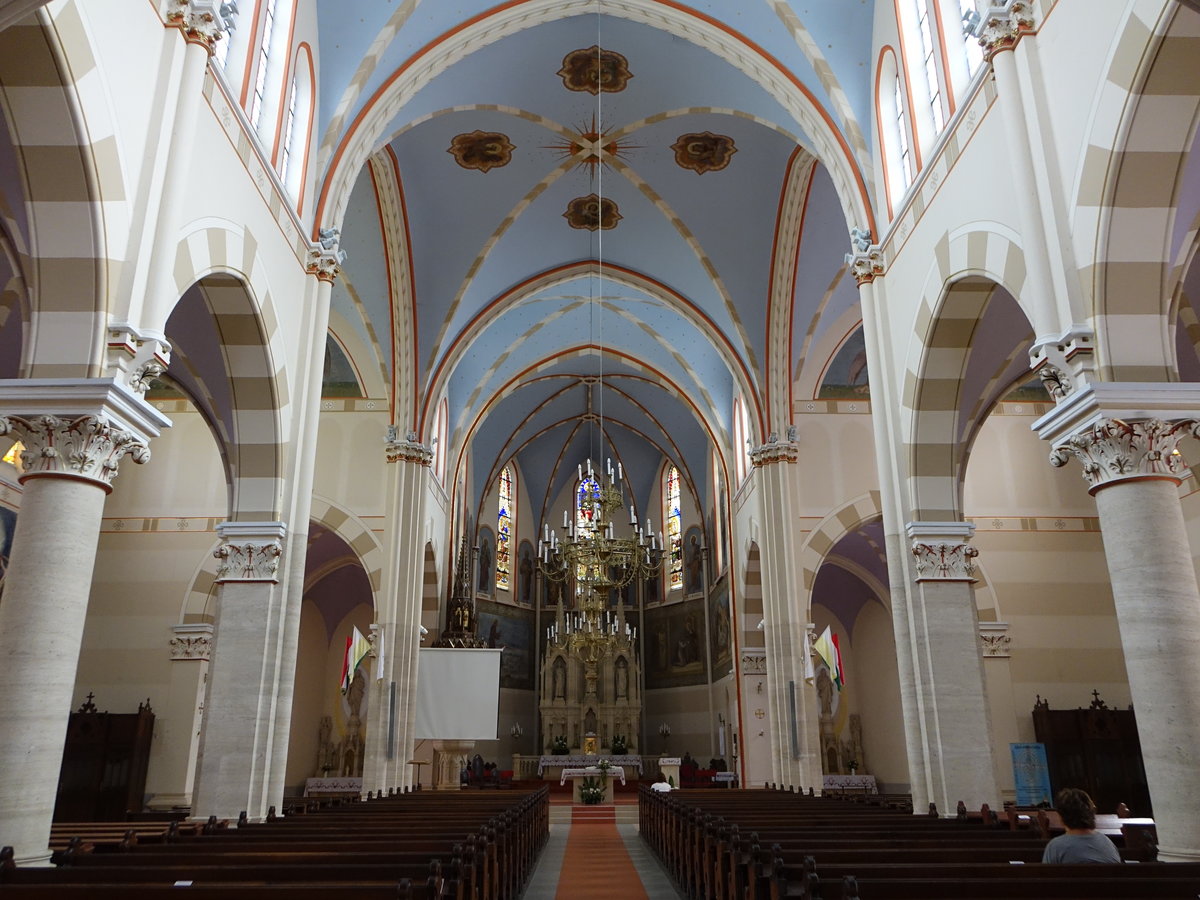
(430, 596)
(967, 268)
(832, 529)
(752, 640)
(73, 179)
(232, 278)
(1127, 188)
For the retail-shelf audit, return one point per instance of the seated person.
(1082, 843)
(660, 783)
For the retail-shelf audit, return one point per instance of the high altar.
(589, 696)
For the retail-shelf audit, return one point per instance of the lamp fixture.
(516, 731)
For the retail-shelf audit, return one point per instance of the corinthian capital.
(865, 259)
(941, 552)
(1002, 26)
(202, 22)
(249, 551)
(1112, 450)
(407, 450)
(86, 447)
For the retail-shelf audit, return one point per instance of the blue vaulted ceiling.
(513, 315)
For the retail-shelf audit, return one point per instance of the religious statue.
(559, 677)
(622, 679)
(825, 691)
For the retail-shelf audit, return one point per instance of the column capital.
(865, 259)
(994, 640)
(191, 642)
(775, 451)
(407, 450)
(1003, 25)
(1114, 451)
(1064, 362)
(134, 357)
(249, 551)
(77, 428)
(203, 22)
(941, 551)
(326, 257)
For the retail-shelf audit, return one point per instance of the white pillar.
(177, 728)
(795, 758)
(954, 725)
(389, 740)
(236, 744)
(75, 435)
(1135, 470)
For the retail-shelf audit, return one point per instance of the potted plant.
(559, 746)
(591, 791)
(619, 747)
(852, 765)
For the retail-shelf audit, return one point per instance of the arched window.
(505, 519)
(964, 56)
(929, 66)
(674, 536)
(587, 499)
(718, 510)
(297, 127)
(919, 52)
(271, 56)
(232, 45)
(741, 440)
(440, 434)
(262, 63)
(892, 125)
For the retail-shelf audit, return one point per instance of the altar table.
(861, 783)
(578, 774)
(332, 786)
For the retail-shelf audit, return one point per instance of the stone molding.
(994, 640)
(1113, 450)
(191, 642)
(134, 357)
(85, 447)
(1003, 25)
(325, 262)
(941, 552)
(1064, 362)
(249, 551)
(407, 450)
(754, 662)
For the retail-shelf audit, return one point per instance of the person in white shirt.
(661, 783)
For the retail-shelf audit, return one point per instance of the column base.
(37, 861)
(1178, 854)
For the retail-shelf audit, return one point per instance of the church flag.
(357, 647)
(827, 649)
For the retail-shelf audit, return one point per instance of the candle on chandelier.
(620, 473)
(632, 515)
(564, 518)
(581, 471)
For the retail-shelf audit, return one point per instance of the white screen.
(458, 694)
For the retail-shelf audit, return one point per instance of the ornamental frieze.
(86, 447)
(754, 662)
(1003, 26)
(704, 151)
(1113, 450)
(481, 150)
(594, 70)
(944, 561)
(249, 561)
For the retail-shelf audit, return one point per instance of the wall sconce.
(665, 730)
(516, 731)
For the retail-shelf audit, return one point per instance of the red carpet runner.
(596, 865)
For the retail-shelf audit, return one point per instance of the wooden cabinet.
(1096, 749)
(104, 764)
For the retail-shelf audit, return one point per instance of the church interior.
(659, 346)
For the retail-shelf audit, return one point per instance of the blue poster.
(1031, 775)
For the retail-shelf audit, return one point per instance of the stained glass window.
(587, 497)
(504, 522)
(674, 537)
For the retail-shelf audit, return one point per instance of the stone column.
(953, 723)
(795, 760)
(236, 745)
(75, 435)
(177, 729)
(324, 262)
(1134, 470)
(390, 741)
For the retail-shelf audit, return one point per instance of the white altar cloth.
(580, 760)
(592, 772)
(864, 783)
(332, 786)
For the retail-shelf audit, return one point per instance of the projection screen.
(458, 694)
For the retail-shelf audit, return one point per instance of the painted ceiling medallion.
(592, 212)
(482, 150)
(595, 70)
(590, 147)
(703, 151)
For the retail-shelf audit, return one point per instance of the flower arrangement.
(559, 746)
(852, 765)
(619, 745)
(591, 791)
(605, 765)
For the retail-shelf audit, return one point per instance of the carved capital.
(754, 662)
(1064, 362)
(1002, 26)
(1113, 450)
(249, 551)
(324, 265)
(774, 451)
(944, 560)
(994, 640)
(203, 22)
(407, 450)
(192, 642)
(86, 447)
(135, 358)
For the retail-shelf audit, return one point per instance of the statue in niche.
(589, 722)
(354, 697)
(485, 565)
(622, 679)
(526, 569)
(825, 691)
(695, 567)
(559, 679)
